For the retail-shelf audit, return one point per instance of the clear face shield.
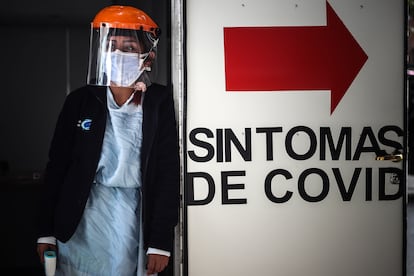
(121, 57)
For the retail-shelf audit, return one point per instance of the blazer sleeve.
(58, 161)
(165, 190)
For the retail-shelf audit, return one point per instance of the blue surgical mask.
(123, 69)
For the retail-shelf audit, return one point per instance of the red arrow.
(293, 58)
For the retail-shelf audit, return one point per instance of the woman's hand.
(42, 247)
(140, 86)
(156, 263)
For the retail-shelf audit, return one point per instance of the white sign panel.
(289, 104)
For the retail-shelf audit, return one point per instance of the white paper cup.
(50, 263)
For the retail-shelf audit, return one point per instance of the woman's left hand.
(140, 86)
(156, 263)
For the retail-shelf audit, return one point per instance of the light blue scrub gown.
(108, 240)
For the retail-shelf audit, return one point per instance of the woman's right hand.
(42, 247)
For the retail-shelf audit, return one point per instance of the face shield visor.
(121, 57)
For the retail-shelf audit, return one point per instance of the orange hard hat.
(125, 17)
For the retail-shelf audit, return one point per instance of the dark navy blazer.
(74, 155)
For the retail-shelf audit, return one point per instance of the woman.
(111, 194)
